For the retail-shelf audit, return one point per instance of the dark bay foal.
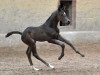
(46, 32)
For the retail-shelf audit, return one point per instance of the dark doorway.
(70, 9)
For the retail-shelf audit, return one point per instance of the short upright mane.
(52, 15)
(52, 20)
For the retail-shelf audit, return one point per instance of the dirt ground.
(13, 60)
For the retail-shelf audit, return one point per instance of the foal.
(46, 32)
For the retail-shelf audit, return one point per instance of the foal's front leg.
(57, 42)
(69, 43)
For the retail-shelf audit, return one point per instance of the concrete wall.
(88, 15)
(19, 14)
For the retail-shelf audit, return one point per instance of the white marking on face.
(64, 13)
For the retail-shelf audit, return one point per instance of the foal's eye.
(62, 14)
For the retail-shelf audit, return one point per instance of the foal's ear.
(60, 7)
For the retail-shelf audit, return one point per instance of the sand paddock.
(13, 60)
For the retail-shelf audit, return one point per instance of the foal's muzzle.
(65, 24)
(68, 23)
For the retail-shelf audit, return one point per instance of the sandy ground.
(13, 60)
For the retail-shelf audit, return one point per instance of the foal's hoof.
(36, 69)
(83, 55)
(52, 67)
(60, 58)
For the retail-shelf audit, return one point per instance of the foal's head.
(62, 17)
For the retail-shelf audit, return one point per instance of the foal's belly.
(40, 36)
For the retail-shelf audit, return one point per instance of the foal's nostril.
(68, 22)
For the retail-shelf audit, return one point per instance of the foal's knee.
(63, 45)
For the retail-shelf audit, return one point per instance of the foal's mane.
(52, 15)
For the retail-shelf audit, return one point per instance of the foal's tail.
(13, 32)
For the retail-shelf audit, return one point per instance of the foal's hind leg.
(54, 41)
(28, 52)
(33, 49)
(68, 42)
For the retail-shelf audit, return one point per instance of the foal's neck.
(52, 21)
